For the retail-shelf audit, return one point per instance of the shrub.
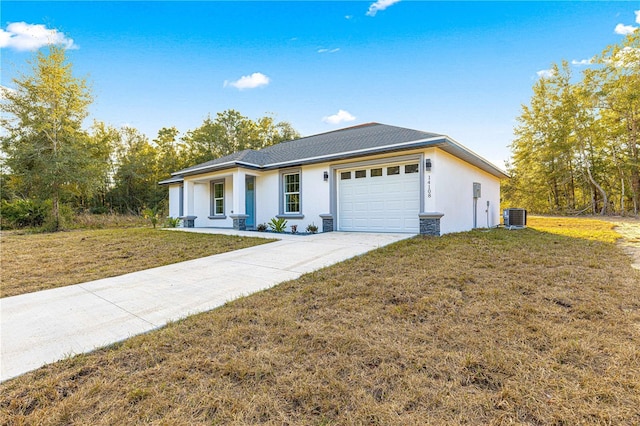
(173, 222)
(312, 228)
(64, 220)
(23, 213)
(262, 227)
(99, 210)
(153, 215)
(278, 225)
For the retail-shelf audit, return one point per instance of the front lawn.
(32, 262)
(483, 327)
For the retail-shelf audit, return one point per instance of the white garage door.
(381, 198)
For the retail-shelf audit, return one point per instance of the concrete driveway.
(46, 326)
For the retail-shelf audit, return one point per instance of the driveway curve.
(47, 326)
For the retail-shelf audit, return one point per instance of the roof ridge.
(372, 123)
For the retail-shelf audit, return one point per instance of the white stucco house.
(372, 177)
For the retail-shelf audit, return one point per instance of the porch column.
(238, 213)
(188, 207)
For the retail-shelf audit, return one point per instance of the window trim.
(417, 170)
(379, 169)
(282, 194)
(212, 206)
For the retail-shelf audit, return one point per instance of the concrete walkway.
(46, 326)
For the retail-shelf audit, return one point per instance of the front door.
(250, 201)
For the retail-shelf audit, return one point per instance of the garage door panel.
(387, 203)
(361, 207)
(375, 189)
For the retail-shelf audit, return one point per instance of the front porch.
(224, 200)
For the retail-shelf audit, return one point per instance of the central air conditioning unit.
(514, 218)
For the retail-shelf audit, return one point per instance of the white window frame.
(282, 194)
(286, 194)
(214, 199)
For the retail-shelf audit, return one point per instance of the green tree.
(542, 150)
(231, 132)
(135, 184)
(577, 144)
(44, 141)
(618, 81)
(170, 152)
(104, 143)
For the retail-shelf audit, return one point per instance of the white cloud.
(637, 12)
(624, 29)
(23, 36)
(546, 73)
(582, 62)
(348, 17)
(252, 81)
(329, 50)
(380, 5)
(341, 116)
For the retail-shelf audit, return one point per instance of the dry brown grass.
(500, 327)
(32, 262)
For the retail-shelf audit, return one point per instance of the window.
(345, 175)
(410, 168)
(217, 198)
(291, 187)
(181, 195)
(361, 174)
(376, 172)
(393, 170)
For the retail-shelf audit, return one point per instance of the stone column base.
(239, 221)
(430, 223)
(188, 221)
(327, 222)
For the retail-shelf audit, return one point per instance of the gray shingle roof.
(344, 143)
(363, 137)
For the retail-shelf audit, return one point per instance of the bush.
(99, 210)
(152, 215)
(312, 228)
(23, 213)
(278, 225)
(262, 227)
(65, 217)
(173, 222)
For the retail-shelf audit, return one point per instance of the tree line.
(52, 167)
(576, 147)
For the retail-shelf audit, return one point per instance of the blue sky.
(459, 68)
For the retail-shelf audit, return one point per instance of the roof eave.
(457, 150)
(171, 180)
(217, 167)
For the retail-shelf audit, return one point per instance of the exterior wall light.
(326, 176)
(427, 164)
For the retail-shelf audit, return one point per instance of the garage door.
(380, 198)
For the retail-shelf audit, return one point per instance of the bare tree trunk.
(605, 200)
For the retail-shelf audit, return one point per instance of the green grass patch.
(590, 229)
(484, 327)
(33, 262)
